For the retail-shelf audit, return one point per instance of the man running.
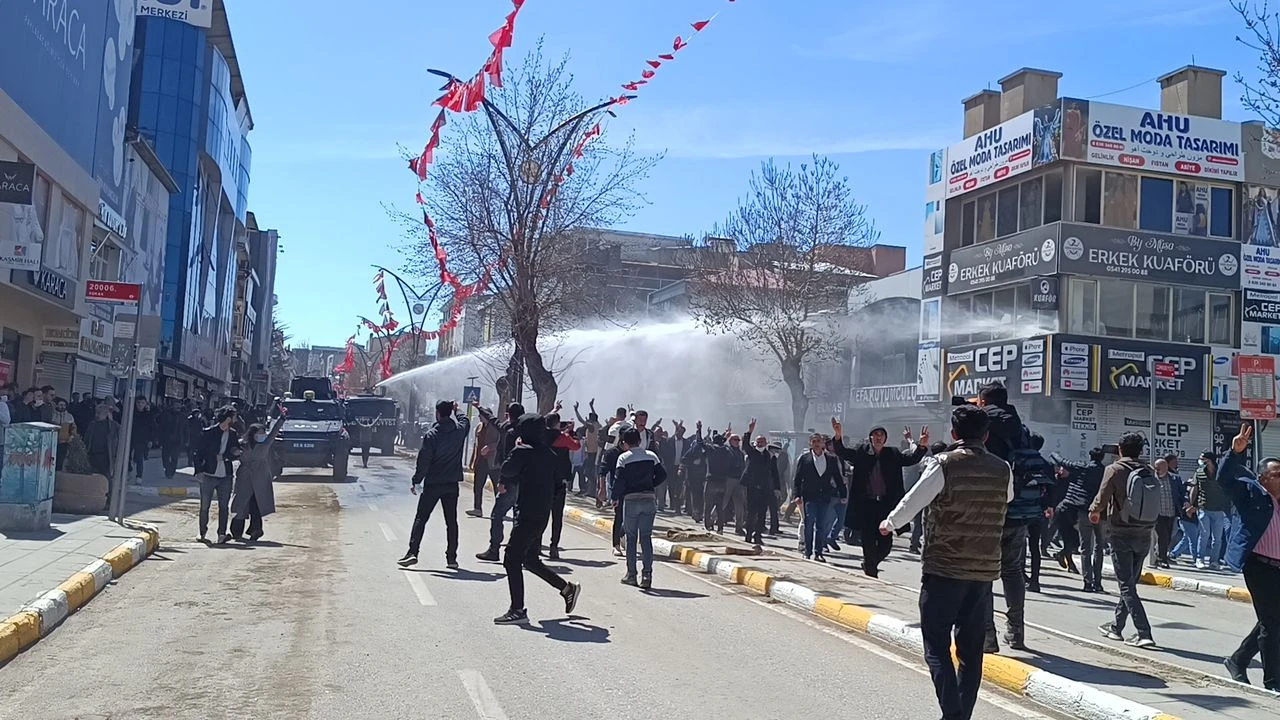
(531, 466)
(439, 472)
(506, 500)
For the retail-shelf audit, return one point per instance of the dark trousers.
(1129, 549)
(758, 502)
(447, 495)
(479, 476)
(1065, 519)
(211, 487)
(498, 515)
(1263, 581)
(169, 457)
(695, 503)
(675, 490)
(139, 453)
(1093, 544)
(875, 547)
(255, 520)
(774, 525)
(1013, 545)
(588, 477)
(917, 531)
(1035, 543)
(522, 553)
(619, 527)
(962, 606)
(1164, 537)
(713, 501)
(101, 464)
(557, 516)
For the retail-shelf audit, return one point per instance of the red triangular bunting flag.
(647, 74)
(667, 56)
(697, 27)
(654, 64)
(679, 44)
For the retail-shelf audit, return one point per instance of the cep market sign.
(1016, 364)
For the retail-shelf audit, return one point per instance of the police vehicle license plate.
(304, 445)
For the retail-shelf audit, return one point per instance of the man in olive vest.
(966, 491)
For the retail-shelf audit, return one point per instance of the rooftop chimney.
(1027, 89)
(981, 112)
(1192, 90)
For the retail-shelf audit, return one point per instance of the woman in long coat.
(253, 496)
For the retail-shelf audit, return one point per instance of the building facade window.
(1154, 203)
(1028, 204)
(997, 315)
(1126, 309)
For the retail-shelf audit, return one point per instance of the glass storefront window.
(1188, 315)
(1083, 306)
(1222, 207)
(1157, 205)
(1007, 212)
(1115, 308)
(967, 218)
(986, 222)
(1221, 319)
(1088, 196)
(1151, 312)
(1031, 201)
(1120, 200)
(1053, 197)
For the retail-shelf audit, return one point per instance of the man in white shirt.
(967, 491)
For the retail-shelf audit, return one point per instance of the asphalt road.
(318, 622)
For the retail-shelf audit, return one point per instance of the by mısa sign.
(1154, 257)
(1257, 387)
(1013, 259)
(191, 12)
(990, 156)
(120, 293)
(1130, 137)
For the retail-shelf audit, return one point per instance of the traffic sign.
(119, 293)
(1257, 387)
(1166, 371)
(470, 394)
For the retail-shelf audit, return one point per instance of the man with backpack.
(1032, 478)
(1129, 500)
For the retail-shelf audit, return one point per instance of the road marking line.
(482, 698)
(386, 532)
(420, 589)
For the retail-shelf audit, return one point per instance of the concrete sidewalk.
(45, 576)
(1144, 684)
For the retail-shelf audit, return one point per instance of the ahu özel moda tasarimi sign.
(990, 156)
(1134, 138)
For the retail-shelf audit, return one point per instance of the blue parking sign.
(470, 394)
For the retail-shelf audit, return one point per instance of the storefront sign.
(1084, 416)
(119, 293)
(60, 339)
(1077, 369)
(1224, 385)
(1138, 139)
(192, 12)
(1149, 257)
(1261, 306)
(1259, 267)
(1121, 368)
(114, 221)
(49, 284)
(95, 340)
(1017, 364)
(1044, 293)
(932, 278)
(1225, 426)
(885, 396)
(990, 156)
(928, 372)
(1014, 259)
(16, 182)
(935, 193)
(1257, 387)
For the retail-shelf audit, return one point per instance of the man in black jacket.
(723, 464)
(217, 449)
(817, 481)
(505, 502)
(439, 471)
(693, 463)
(760, 478)
(1006, 432)
(531, 466)
(876, 487)
(1084, 481)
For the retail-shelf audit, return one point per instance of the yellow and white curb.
(1064, 696)
(43, 614)
(1186, 584)
(184, 491)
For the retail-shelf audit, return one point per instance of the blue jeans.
(637, 520)
(817, 518)
(498, 515)
(1212, 525)
(1190, 541)
(836, 519)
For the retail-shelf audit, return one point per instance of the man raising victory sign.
(876, 487)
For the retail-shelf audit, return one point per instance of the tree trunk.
(544, 382)
(794, 379)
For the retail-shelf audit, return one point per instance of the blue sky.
(334, 91)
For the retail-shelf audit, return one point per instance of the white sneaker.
(1200, 565)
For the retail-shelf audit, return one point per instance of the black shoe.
(513, 617)
(1236, 672)
(451, 563)
(835, 546)
(1033, 586)
(991, 648)
(570, 594)
(630, 580)
(553, 553)
(819, 558)
(646, 581)
(1016, 642)
(408, 560)
(475, 513)
(914, 549)
(489, 555)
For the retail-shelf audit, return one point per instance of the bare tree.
(1262, 95)
(508, 204)
(788, 258)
